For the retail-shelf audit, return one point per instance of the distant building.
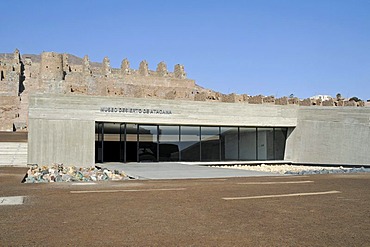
(321, 97)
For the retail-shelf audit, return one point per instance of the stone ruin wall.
(209, 95)
(57, 73)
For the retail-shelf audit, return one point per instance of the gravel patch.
(297, 170)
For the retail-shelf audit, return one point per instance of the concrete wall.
(70, 142)
(62, 127)
(13, 153)
(183, 112)
(330, 136)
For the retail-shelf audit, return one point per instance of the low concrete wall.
(327, 135)
(182, 112)
(71, 142)
(13, 154)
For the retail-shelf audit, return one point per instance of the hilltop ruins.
(55, 73)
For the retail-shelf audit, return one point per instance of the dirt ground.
(190, 212)
(13, 136)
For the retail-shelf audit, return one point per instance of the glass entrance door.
(148, 143)
(99, 142)
(130, 154)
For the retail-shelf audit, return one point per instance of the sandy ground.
(190, 212)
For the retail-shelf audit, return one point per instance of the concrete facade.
(62, 128)
(329, 135)
(61, 141)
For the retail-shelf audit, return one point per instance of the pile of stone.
(61, 173)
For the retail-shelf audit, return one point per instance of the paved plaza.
(178, 170)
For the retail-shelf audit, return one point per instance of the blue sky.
(269, 47)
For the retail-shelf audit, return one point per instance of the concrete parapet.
(13, 154)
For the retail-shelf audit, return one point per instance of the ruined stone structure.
(64, 74)
(56, 73)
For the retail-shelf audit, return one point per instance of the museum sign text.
(135, 110)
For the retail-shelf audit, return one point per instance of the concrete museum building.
(80, 113)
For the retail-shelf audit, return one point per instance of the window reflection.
(169, 143)
(280, 139)
(190, 143)
(247, 144)
(129, 142)
(210, 143)
(265, 143)
(148, 144)
(229, 143)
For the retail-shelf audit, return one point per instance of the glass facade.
(127, 142)
(130, 143)
(229, 143)
(265, 144)
(148, 143)
(169, 143)
(247, 144)
(210, 144)
(190, 143)
(280, 135)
